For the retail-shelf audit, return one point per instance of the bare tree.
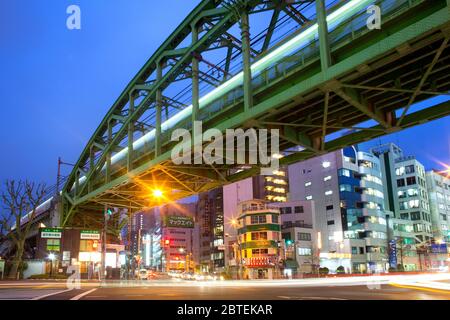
(20, 201)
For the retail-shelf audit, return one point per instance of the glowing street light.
(52, 256)
(157, 193)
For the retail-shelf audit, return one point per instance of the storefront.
(61, 248)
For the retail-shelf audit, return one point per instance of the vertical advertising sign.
(393, 253)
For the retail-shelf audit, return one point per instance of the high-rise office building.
(405, 182)
(347, 190)
(209, 218)
(438, 185)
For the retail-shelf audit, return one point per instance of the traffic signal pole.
(105, 228)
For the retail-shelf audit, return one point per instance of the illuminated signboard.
(393, 253)
(51, 233)
(330, 255)
(90, 235)
(179, 222)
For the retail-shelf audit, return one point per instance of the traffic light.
(109, 212)
(288, 242)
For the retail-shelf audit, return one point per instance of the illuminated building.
(438, 185)
(347, 190)
(405, 184)
(218, 207)
(210, 220)
(171, 241)
(257, 251)
(300, 238)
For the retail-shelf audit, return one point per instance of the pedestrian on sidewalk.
(98, 271)
(90, 270)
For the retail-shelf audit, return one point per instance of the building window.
(344, 172)
(326, 164)
(404, 216)
(256, 252)
(413, 203)
(53, 245)
(409, 169)
(304, 251)
(327, 178)
(330, 207)
(345, 188)
(258, 219)
(411, 181)
(361, 250)
(329, 192)
(330, 222)
(400, 182)
(307, 184)
(303, 236)
(259, 236)
(412, 192)
(354, 250)
(88, 245)
(298, 209)
(274, 218)
(308, 197)
(400, 171)
(415, 215)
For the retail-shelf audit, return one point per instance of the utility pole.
(58, 176)
(105, 229)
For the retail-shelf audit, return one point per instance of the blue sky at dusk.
(56, 84)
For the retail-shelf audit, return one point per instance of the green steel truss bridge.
(312, 69)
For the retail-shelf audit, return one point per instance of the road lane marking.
(51, 294)
(81, 295)
(419, 288)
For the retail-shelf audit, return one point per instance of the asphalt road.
(238, 290)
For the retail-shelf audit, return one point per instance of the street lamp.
(157, 193)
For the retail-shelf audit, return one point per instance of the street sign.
(51, 233)
(179, 222)
(439, 248)
(90, 235)
(66, 255)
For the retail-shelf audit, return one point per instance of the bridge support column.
(130, 135)
(325, 53)
(245, 38)
(158, 112)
